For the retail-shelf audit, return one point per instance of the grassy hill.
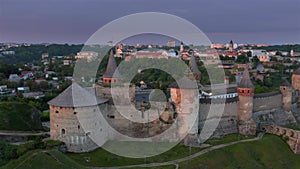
(19, 116)
(50, 159)
(270, 152)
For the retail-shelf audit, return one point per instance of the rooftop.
(111, 69)
(297, 72)
(76, 96)
(246, 81)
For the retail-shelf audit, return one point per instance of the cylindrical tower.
(64, 123)
(246, 123)
(286, 91)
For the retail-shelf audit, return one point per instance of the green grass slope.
(269, 153)
(103, 158)
(50, 159)
(18, 116)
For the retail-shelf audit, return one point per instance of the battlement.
(218, 100)
(267, 101)
(269, 94)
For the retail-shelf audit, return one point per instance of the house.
(26, 75)
(35, 95)
(14, 78)
(67, 62)
(3, 88)
(45, 55)
(87, 55)
(23, 89)
(261, 55)
(160, 54)
(8, 53)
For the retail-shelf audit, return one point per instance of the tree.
(242, 59)
(278, 53)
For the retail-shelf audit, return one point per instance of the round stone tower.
(185, 95)
(246, 124)
(286, 91)
(64, 123)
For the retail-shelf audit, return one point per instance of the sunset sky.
(74, 21)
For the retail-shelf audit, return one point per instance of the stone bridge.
(293, 136)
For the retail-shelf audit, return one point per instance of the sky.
(74, 21)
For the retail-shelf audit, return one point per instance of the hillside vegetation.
(19, 116)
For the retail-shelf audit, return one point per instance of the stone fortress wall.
(267, 101)
(267, 108)
(225, 111)
(66, 127)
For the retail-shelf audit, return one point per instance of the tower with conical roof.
(194, 68)
(65, 110)
(246, 124)
(111, 74)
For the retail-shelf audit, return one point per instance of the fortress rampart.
(292, 136)
(267, 101)
(224, 110)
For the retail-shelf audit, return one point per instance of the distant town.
(39, 114)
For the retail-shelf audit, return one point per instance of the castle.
(244, 112)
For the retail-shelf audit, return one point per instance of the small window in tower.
(248, 91)
(63, 132)
(56, 111)
(111, 116)
(78, 127)
(75, 113)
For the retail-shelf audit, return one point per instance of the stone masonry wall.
(267, 103)
(227, 116)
